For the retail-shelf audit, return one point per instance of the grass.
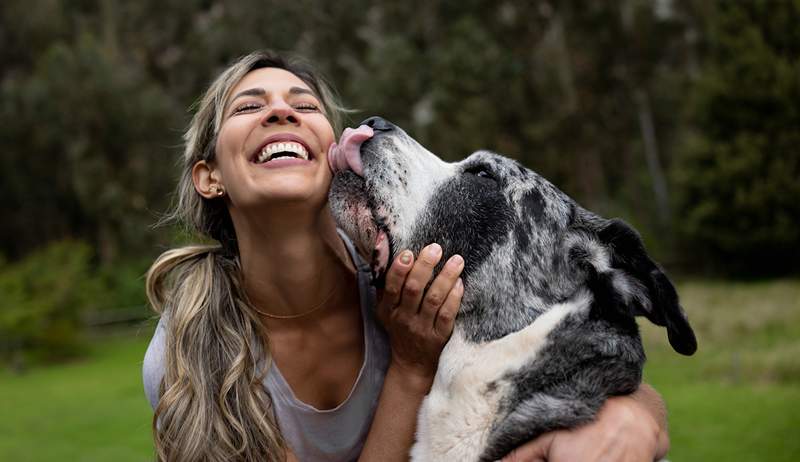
(738, 398)
(92, 410)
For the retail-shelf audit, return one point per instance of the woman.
(267, 348)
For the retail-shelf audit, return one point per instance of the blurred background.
(680, 116)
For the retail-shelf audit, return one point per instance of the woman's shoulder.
(153, 366)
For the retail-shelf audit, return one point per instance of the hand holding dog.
(624, 430)
(419, 321)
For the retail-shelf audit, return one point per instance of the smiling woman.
(269, 346)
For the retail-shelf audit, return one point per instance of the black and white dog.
(546, 330)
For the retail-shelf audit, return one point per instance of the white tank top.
(313, 435)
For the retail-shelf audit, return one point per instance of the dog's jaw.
(400, 177)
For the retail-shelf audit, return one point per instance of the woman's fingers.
(440, 287)
(419, 320)
(446, 316)
(417, 280)
(395, 278)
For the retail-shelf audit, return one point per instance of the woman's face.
(273, 142)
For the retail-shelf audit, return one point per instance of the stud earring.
(218, 190)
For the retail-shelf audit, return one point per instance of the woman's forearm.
(392, 432)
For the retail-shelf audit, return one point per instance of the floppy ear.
(639, 282)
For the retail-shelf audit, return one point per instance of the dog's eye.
(480, 171)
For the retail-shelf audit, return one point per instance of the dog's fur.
(546, 329)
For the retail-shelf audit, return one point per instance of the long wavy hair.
(213, 405)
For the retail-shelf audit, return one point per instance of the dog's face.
(526, 244)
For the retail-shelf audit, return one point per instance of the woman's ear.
(207, 180)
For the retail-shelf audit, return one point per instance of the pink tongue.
(347, 154)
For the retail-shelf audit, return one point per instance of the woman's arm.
(419, 322)
(629, 428)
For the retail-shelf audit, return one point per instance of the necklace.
(300, 315)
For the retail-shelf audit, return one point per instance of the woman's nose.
(280, 113)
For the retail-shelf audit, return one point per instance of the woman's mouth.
(282, 150)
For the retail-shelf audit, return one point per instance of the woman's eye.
(247, 107)
(306, 107)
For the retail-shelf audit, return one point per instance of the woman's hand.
(419, 321)
(624, 430)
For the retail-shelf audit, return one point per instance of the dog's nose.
(378, 124)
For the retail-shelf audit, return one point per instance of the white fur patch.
(424, 173)
(456, 416)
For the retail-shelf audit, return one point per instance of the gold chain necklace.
(295, 316)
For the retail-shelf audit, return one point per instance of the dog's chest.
(471, 382)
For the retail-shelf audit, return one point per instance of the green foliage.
(93, 98)
(739, 171)
(85, 143)
(43, 297)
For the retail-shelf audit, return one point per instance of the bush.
(43, 297)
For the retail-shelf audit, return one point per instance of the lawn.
(738, 398)
(90, 410)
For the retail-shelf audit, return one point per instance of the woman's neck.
(292, 265)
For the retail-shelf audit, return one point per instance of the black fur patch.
(468, 216)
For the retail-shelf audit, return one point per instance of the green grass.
(737, 399)
(91, 410)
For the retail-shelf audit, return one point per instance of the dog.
(546, 329)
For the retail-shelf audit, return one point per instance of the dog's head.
(526, 244)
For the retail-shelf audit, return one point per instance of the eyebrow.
(262, 92)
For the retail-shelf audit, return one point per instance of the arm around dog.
(628, 428)
(419, 323)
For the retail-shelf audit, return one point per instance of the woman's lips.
(278, 137)
(281, 162)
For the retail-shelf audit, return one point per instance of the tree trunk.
(651, 155)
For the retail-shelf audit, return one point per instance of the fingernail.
(405, 257)
(459, 284)
(434, 250)
(456, 261)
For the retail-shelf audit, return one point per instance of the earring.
(218, 190)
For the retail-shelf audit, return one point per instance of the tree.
(739, 170)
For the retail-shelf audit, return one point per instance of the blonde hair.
(213, 405)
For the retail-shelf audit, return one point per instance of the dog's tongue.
(347, 153)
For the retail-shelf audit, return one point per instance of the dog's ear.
(638, 283)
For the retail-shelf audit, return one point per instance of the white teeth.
(282, 146)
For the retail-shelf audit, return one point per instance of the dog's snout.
(378, 124)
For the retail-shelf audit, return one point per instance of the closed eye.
(246, 107)
(306, 107)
